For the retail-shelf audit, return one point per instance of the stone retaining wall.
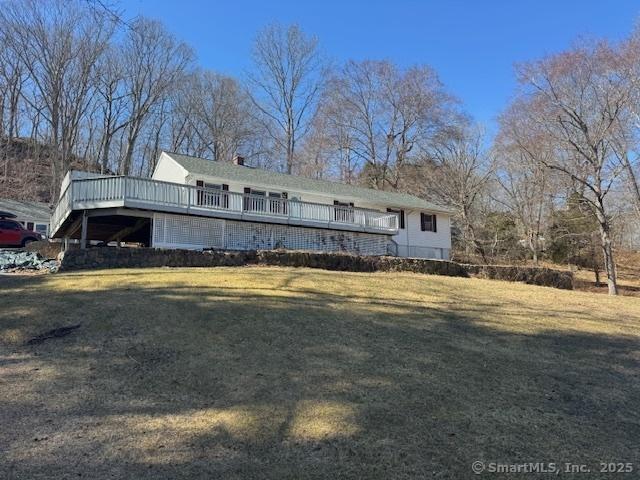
(546, 277)
(45, 248)
(148, 257)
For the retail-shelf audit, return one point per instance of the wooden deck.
(156, 196)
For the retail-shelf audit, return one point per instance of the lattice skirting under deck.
(189, 232)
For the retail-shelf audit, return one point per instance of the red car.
(13, 234)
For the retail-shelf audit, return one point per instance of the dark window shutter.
(225, 196)
(245, 200)
(428, 222)
(200, 193)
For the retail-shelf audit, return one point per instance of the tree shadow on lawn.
(167, 382)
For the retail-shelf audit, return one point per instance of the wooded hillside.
(25, 167)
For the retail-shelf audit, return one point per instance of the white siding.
(168, 170)
(413, 242)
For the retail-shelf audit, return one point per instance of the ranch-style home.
(194, 203)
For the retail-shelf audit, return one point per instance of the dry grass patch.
(297, 373)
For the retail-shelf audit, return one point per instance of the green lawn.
(296, 373)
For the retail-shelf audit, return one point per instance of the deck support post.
(83, 232)
(65, 243)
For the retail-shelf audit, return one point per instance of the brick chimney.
(238, 160)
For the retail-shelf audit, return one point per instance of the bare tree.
(12, 80)
(220, 115)
(389, 115)
(315, 160)
(112, 102)
(285, 84)
(573, 100)
(458, 172)
(153, 62)
(58, 43)
(331, 142)
(628, 146)
(526, 184)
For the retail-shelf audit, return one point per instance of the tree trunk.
(470, 238)
(155, 153)
(57, 157)
(13, 114)
(634, 186)
(104, 163)
(132, 138)
(290, 151)
(595, 264)
(610, 265)
(607, 252)
(533, 246)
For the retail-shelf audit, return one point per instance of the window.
(428, 222)
(278, 202)
(9, 225)
(254, 200)
(212, 194)
(263, 201)
(41, 228)
(343, 212)
(30, 226)
(400, 216)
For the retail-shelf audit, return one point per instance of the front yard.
(296, 373)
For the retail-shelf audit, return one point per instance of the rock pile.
(16, 260)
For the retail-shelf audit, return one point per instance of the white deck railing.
(106, 192)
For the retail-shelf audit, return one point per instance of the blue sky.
(472, 45)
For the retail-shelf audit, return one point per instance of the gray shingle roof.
(257, 176)
(25, 209)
